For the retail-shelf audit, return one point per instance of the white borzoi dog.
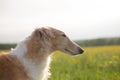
(31, 58)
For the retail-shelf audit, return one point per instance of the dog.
(30, 59)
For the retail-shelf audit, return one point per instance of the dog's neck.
(35, 69)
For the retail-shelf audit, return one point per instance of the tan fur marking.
(11, 68)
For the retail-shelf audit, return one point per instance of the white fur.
(36, 72)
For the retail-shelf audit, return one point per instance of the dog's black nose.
(81, 50)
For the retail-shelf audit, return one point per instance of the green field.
(97, 63)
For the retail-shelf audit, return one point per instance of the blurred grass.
(97, 63)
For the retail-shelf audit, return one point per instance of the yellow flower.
(110, 62)
(115, 57)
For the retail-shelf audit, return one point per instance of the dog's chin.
(70, 52)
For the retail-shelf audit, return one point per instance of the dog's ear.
(38, 34)
(43, 33)
(49, 33)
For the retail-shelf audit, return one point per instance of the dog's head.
(52, 39)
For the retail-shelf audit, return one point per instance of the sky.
(79, 19)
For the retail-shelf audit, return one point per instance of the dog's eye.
(63, 35)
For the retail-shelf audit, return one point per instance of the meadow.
(97, 63)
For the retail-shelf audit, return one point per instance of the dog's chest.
(37, 72)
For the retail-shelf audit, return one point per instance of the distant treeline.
(99, 42)
(7, 46)
(92, 42)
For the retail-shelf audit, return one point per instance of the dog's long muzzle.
(73, 49)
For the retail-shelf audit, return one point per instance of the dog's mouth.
(69, 51)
